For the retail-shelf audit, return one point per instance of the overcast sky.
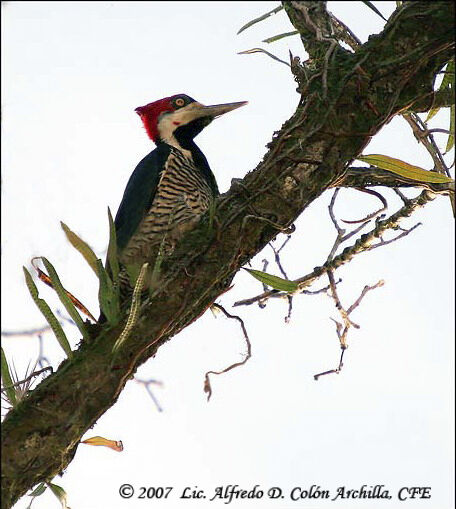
(73, 73)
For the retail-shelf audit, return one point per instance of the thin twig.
(284, 274)
(342, 236)
(64, 318)
(401, 195)
(363, 293)
(343, 313)
(207, 384)
(277, 255)
(265, 266)
(424, 136)
(146, 384)
(336, 370)
(342, 330)
(372, 214)
(321, 290)
(27, 332)
(436, 130)
(42, 360)
(404, 233)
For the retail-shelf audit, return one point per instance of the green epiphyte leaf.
(7, 379)
(275, 282)
(66, 301)
(404, 169)
(82, 246)
(260, 18)
(48, 314)
(112, 250)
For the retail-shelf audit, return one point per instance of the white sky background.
(73, 74)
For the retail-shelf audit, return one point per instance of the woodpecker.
(171, 187)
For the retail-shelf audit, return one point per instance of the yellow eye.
(179, 102)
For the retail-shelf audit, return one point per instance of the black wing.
(139, 194)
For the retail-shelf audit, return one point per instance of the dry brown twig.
(372, 214)
(424, 135)
(342, 330)
(342, 236)
(284, 274)
(335, 370)
(207, 384)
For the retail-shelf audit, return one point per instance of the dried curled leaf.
(275, 282)
(260, 50)
(47, 280)
(115, 445)
(404, 169)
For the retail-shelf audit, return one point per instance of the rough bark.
(345, 99)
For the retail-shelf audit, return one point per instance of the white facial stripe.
(169, 122)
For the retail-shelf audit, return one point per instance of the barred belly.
(182, 196)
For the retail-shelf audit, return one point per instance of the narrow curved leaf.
(111, 257)
(280, 36)
(448, 77)
(60, 493)
(108, 296)
(275, 282)
(47, 280)
(260, 50)
(404, 169)
(260, 18)
(450, 142)
(447, 82)
(48, 314)
(372, 6)
(65, 300)
(39, 490)
(7, 379)
(431, 113)
(81, 246)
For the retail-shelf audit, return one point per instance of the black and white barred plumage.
(182, 195)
